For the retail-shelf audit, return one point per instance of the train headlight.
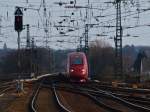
(83, 71)
(71, 70)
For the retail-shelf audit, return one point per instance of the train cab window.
(77, 61)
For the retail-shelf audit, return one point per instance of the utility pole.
(0, 25)
(19, 54)
(29, 50)
(28, 37)
(32, 58)
(118, 42)
(46, 21)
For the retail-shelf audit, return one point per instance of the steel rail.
(124, 89)
(122, 95)
(105, 93)
(32, 107)
(141, 108)
(33, 101)
(91, 96)
(140, 100)
(58, 101)
(99, 102)
(2, 92)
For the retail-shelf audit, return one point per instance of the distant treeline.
(37, 60)
(40, 60)
(31, 60)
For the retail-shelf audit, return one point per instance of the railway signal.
(19, 27)
(18, 20)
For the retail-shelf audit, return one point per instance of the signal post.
(18, 25)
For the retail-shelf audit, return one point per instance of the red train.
(77, 66)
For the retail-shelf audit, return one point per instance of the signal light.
(18, 23)
(18, 19)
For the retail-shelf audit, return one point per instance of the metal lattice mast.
(46, 30)
(81, 45)
(86, 39)
(46, 23)
(118, 41)
(86, 48)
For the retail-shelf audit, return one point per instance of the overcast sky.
(139, 35)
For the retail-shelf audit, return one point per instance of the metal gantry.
(118, 41)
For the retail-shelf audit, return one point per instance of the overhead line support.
(118, 41)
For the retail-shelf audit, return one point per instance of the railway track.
(99, 95)
(5, 90)
(86, 103)
(4, 87)
(136, 96)
(11, 100)
(36, 106)
(63, 101)
(32, 102)
(134, 99)
(125, 101)
(94, 98)
(61, 106)
(64, 98)
(120, 89)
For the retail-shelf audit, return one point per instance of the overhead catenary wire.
(106, 13)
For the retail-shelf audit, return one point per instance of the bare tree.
(101, 59)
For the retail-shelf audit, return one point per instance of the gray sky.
(55, 13)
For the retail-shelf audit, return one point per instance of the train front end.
(77, 66)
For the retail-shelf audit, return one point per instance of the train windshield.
(77, 61)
